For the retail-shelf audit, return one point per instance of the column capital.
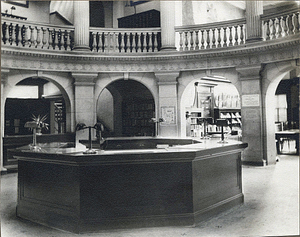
(4, 74)
(167, 77)
(251, 72)
(84, 78)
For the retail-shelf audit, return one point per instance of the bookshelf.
(136, 118)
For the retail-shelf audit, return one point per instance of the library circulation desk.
(114, 188)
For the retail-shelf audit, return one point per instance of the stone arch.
(62, 80)
(186, 78)
(105, 80)
(272, 74)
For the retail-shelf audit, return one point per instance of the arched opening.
(34, 97)
(281, 114)
(126, 107)
(287, 115)
(204, 101)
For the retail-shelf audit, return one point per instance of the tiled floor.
(271, 208)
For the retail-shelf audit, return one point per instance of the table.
(292, 134)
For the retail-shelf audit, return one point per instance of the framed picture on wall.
(168, 114)
(18, 3)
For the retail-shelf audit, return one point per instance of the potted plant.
(41, 124)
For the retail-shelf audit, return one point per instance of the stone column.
(252, 117)
(167, 22)
(253, 23)
(85, 107)
(118, 11)
(81, 24)
(168, 107)
(2, 118)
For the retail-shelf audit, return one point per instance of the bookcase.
(136, 118)
(233, 116)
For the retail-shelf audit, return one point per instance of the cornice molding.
(248, 54)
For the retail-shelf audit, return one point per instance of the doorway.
(125, 108)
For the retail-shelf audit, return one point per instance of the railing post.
(122, 46)
(202, 39)
(197, 40)
(38, 38)
(20, 38)
(13, 35)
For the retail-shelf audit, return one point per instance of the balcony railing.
(34, 35)
(224, 34)
(280, 25)
(104, 40)
(213, 35)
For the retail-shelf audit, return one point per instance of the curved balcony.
(32, 35)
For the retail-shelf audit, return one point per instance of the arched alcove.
(125, 107)
(273, 74)
(209, 97)
(33, 97)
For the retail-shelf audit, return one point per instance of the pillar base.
(253, 40)
(254, 163)
(170, 48)
(81, 48)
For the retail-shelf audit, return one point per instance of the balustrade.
(33, 35)
(213, 35)
(280, 25)
(104, 40)
(21, 33)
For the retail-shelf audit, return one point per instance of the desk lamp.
(98, 127)
(222, 123)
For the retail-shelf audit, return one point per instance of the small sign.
(168, 114)
(250, 100)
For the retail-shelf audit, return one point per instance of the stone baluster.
(100, 42)
(192, 40)
(13, 35)
(144, 49)
(279, 28)
(26, 38)
(138, 45)
(38, 38)
(207, 39)
(296, 22)
(197, 40)
(230, 36)
(225, 37)
(117, 42)
(20, 39)
(202, 39)
(128, 43)
(186, 43)
(180, 41)
(44, 40)
(32, 37)
(213, 38)
(219, 38)
(236, 37)
(56, 43)
(7, 34)
(274, 33)
(290, 24)
(63, 39)
(284, 26)
(155, 42)
(122, 46)
(112, 42)
(94, 44)
(50, 40)
(105, 43)
(68, 41)
(268, 30)
(242, 34)
(133, 48)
